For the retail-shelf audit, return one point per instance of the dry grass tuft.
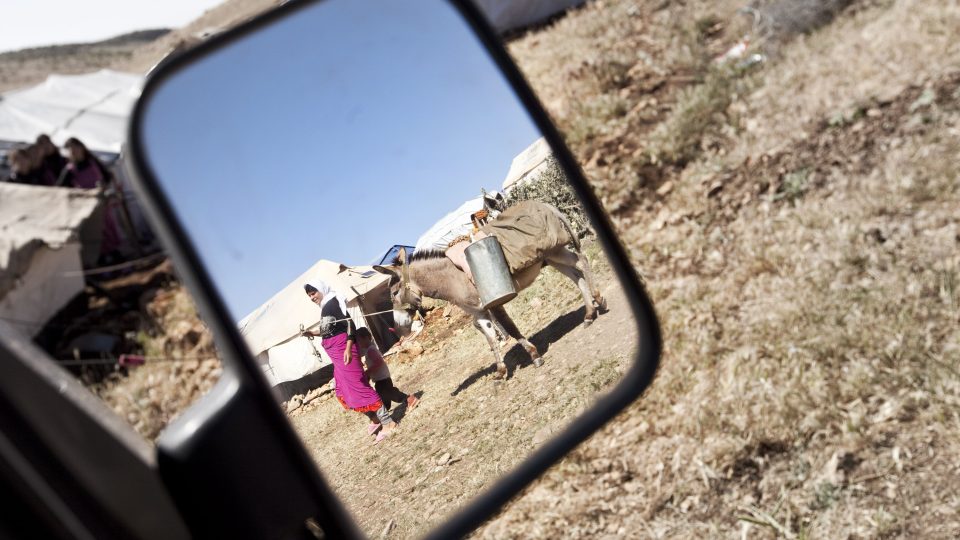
(610, 72)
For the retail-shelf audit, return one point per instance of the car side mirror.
(338, 165)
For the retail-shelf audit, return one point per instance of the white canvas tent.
(40, 251)
(452, 225)
(93, 107)
(528, 165)
(273, 330)
(525, 167)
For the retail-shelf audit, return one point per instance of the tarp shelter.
(507, 15)
(273, 330)
(528, 165)
(93, 107)
(452, 225)
(41, 238)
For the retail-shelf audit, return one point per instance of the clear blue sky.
(332, 135)
(32, 23)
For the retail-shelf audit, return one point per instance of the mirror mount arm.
(216, 440)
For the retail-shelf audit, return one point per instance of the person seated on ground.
(353, 389)
(84, 169)
(51, 162)
(379, 373)
(21, 168)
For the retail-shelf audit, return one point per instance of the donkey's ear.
(402, 256)
(388, 270)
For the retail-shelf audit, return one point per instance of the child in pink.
(379, 373)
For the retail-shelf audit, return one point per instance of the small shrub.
(552, 187)
(794, 186)
(677, 140)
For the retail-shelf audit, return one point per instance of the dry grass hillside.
(226, 15)
(797, 226)
(27, 67)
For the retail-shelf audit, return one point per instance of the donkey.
(431, 273)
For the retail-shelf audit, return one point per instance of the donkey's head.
(404, 294)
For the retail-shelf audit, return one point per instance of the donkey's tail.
(574, 239)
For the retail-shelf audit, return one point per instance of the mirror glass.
(331, 170)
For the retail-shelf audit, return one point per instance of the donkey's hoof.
(602, 306)
(538, 361)
(588, 322)
(501, 372)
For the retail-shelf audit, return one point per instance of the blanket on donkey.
(526, 231)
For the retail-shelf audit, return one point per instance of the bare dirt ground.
(470, 428)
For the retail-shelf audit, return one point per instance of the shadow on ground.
(517, 358)
(400, 410)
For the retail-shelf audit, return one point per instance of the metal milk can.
(490, 272)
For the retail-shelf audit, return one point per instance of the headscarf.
(328, 294)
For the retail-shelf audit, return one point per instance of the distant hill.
(26, 67)
(135, 52)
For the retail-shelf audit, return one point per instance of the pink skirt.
(353, 386)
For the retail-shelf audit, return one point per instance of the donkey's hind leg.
(484, 324)
(583, 264)
(565, 261)
(500, 315)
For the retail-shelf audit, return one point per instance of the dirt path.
(469, 428)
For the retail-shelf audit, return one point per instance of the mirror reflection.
(398, 246)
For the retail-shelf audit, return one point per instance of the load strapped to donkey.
(519, 237)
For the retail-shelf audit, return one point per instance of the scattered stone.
(542, 435)
(295, 403)
(715, 188)
(414, 349)
(666, 188)
(444, 459)
(386, 530)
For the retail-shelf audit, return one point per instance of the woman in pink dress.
(339, 341)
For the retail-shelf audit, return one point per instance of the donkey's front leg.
(500, 315)
(485, 325)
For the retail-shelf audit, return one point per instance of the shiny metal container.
(490, 272)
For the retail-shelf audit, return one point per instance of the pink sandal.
(412, 402)
(381, 436)
(373, 428)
